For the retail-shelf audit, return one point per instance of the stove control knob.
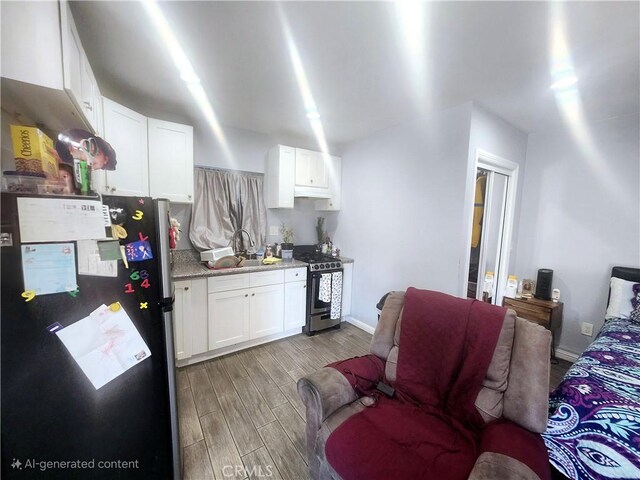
(322, 266)
(316, 267)
(333, 265)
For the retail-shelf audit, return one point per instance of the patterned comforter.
(594, 422)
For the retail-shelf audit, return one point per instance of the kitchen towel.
(336, 295)
(324, 289)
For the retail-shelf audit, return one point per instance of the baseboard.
(361, 325)
(565, 355)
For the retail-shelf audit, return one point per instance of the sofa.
(510, 407)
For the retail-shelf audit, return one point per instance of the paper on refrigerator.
(90, 261)
(105, 344)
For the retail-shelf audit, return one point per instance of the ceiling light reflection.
(413, 18)
(567, 97)
(310, 108)
(187, 74)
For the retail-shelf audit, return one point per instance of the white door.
(228, 318)
(267, 310)
(295, 304)
(182, 331)
(126, 131)
(170, 160)
(318, 170)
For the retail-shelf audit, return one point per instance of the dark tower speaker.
(543, 285)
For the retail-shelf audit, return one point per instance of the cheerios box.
(34, 151)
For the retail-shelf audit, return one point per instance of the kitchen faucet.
(232, 242)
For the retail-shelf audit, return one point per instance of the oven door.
(319, 293)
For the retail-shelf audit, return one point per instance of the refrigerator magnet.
(138, 251)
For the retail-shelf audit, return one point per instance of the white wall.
(494, 135)
(402, 208)
(580, 216)
(247, 150)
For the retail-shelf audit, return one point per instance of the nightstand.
(543, 312)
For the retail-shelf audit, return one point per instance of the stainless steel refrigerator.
(55, 423)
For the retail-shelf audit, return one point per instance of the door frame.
(489, 161)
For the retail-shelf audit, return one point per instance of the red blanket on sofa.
(429, 429)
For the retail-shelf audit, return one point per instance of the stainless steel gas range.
(324, 288)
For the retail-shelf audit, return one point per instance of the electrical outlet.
(587, 329)
(274, 230)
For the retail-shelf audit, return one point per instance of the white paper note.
(89, 262)
(49, 268)
(59, 219)
(105, 344)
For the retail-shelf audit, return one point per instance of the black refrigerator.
(56, 423)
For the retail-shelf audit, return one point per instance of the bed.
(594, 419)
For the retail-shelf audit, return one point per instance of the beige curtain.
(226, 201)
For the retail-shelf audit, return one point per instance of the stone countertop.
(187, 264)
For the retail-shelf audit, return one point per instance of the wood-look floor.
(240, 415)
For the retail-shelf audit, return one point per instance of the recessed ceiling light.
(313, 115)
(564, 82)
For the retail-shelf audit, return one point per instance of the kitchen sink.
(252, 263)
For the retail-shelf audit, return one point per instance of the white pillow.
(620, 298)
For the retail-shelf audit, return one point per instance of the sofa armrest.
(323, 392)
(509, 452)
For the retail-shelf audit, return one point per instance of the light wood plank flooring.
(240, 415)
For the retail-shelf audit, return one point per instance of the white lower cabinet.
(295, 304)
(251, 306)
(228, 318)
(190, 318)
(266, 311)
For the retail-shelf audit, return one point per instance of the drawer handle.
(253, 294)
(186, 288)
(297, 274)
(304, 286)
(246, 294)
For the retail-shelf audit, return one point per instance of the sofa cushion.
(399, 440)
(383, 337)
(490, 399)
(527, 395)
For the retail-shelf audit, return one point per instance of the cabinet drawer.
(541, 316)
(258, 279)
(227, 282)
(295, 274)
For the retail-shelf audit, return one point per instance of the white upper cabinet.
(296, 172)
(170, 160)
(334, 174)
(126, 131)
(280, 177)
(310, 169)
(155, 158)
(52, 56)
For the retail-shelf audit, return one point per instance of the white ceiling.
(495, 53)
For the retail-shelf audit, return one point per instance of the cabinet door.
(182, 331)
(228, 318)
(334, 174)
(126, 131)
(318, 170)
(199, 318)
(347, 282)
(72, 54)
(295, 304)
(90, 91)
(304, 158)
(31, 33)
(170, 161)
(280, 177)
(267, 310)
